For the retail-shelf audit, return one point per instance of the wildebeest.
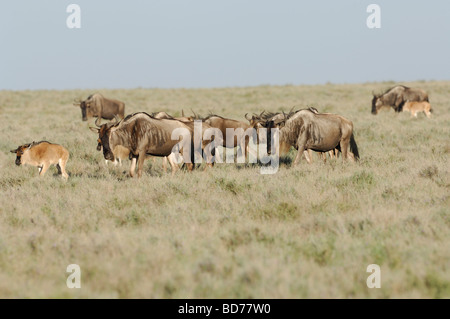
(266, 117)
(96, 105)
(185, 119)
(415, 107)
(240, 137)
(308, 130)
(255, 123)
(145, 135)
(396, 97)
(43, 154)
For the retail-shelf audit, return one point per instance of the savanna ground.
(308, 231)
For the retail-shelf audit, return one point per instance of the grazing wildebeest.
(306, 130)
(415, 107)
(396, 97)
(43, 154)
(240, 136)
(96, 105)
(145, 135)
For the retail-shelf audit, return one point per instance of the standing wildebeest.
(43, 154)
(145, 135)
(306, 130)
(96, 105)
(415, 107)
(240, 137)
(187, 121)
(396, 97)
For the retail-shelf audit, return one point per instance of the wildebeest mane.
(212, 115)
(37, 143)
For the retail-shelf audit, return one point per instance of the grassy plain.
(308, 231)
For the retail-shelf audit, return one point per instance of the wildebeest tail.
(354, 147)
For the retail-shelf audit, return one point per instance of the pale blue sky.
(212, 43)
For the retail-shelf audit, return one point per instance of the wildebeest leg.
(140, 163)
(247, 139)
(44, 168)
(133, 166)
(308, 155)
(62, 166)
(165, 164)
(173, 163)
(345, 142)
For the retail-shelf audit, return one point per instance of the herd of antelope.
(180, 139)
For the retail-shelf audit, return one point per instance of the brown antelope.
(43, 154)
(415, 107)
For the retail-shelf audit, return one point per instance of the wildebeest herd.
(180, 139)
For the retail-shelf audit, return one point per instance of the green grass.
(308, 231)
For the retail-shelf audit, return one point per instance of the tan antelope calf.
(43, 154)
(415, 107)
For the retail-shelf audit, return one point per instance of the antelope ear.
(94, 129)
(13, 151)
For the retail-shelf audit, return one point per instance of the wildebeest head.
(256, 123)
(377, 103)
(86, 110)
(276, 121)
(19, 152)
(104, 133)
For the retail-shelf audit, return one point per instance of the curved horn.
(246, 117)
(116, 118)
(98, 121)
(290, 112)
(77, 102)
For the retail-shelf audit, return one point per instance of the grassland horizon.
(308, 231)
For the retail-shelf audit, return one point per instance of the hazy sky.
(212, 43)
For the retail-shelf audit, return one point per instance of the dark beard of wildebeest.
(306, 129)
(144, 135)
(396, 97)
(96, 105)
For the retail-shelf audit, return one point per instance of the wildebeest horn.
(195, 115)
(292, 109)
(246, 117)
(116, 118)
(77, 102)
(13, 151)
(97, 121)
